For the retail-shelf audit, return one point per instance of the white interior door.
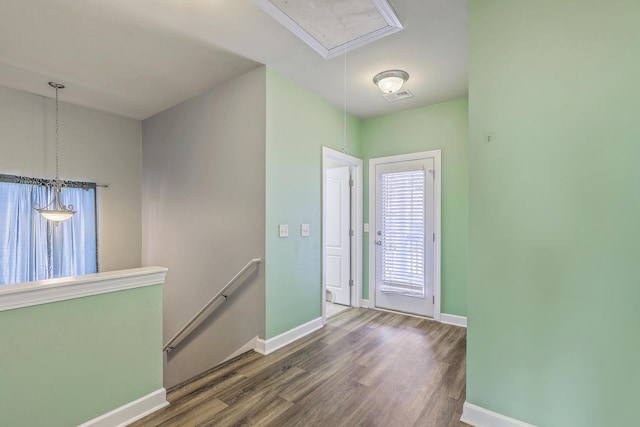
(405, 236)
(337, 223)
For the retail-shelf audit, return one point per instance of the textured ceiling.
(136, 58)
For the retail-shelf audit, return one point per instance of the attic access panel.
(332, 27)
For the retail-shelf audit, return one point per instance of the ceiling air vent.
(403, 94)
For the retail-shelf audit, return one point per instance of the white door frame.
(356, 164)
(436, 155)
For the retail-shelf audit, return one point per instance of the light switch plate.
(366, 227)
(283, 230)
(304, 230)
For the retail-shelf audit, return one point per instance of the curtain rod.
(40, 181)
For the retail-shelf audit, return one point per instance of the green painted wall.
(442, 126)
(299, 123)
(554, 206)
(64, 363)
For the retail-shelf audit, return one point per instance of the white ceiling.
(138, 57)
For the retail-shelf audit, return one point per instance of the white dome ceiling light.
(391, 81)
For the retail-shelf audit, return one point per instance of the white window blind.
(403, 232)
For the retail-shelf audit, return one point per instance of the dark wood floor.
(364, 368)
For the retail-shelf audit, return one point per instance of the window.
(32, 248)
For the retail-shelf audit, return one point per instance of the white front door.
(337, 223)
(404, 236)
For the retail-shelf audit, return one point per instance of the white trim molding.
(27, 294)
(452, 319)
(356, 166)
(251, 345)
(480, 417)
(269, 346)
(132, 411)
(364, 303)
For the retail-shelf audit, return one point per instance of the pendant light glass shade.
(56, 210)
(391, 81)
(56, 216)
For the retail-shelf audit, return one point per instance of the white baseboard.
(132, 411)
(449, 319)
(480, 417)
(261, 346)
(251, 345)
(272, 344)
(452, 319)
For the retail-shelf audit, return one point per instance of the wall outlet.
(283, 230)
(304, 230)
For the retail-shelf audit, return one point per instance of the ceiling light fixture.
(390, 81)
(56, 210)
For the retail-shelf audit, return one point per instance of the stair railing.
(199, 317)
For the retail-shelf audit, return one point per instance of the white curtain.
(73, 242)
(32, 248)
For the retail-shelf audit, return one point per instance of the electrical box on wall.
(283, 230)
(304, 230)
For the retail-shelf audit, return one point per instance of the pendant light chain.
(57, 134)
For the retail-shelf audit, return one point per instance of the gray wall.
(94, 146)
(203, 216)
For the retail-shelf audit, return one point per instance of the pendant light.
(56, 210)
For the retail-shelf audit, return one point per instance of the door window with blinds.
(402, 232)
(404, 244)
